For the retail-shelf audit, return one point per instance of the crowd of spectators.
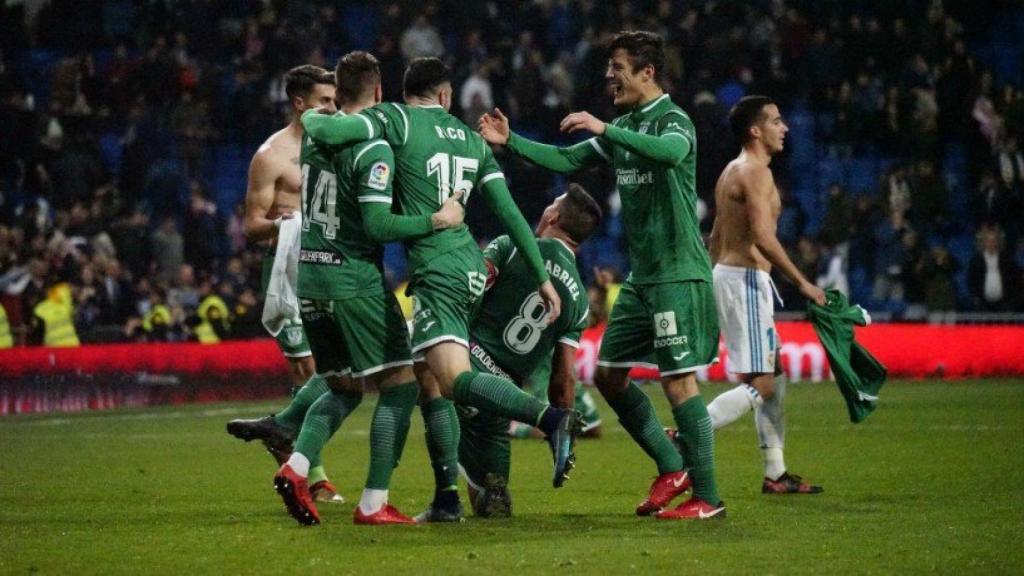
(113, 122)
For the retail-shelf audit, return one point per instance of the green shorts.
(358, 336)
(484, 444)
(446, 294)
(675, 324)
(292, 338)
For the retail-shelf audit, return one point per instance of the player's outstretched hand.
(582, 121)
(451, 214)
(494, 127)
(551, 300)
(813, 293)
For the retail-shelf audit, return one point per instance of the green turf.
(931, 482)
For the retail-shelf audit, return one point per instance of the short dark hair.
(747, 112)
(578, 214)
(356, 74)
(644, 48)
(299, 81)
(424, 75)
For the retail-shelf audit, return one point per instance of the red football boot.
(693, 509)
(388, 514)
(324, 491)
(663, 490)
(295, 493)
(789, 484)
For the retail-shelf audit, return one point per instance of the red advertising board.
(907, 350)
(107, 376)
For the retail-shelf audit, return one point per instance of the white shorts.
(745, 317)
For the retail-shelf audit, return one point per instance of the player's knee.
(344, 385)
(392, 377)
(611, 382)
(764, 384)
(302, 369)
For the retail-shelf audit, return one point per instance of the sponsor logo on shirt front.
(633, 177)
(319, 257)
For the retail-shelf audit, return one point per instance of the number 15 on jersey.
(442, 166)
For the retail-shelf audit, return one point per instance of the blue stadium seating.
(112, 151)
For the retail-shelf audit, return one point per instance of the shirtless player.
(744, 248)
(274, 195)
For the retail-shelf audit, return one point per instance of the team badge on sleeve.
(379, 176)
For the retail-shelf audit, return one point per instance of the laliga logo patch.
(379, 176)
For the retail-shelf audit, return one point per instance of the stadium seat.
(111, 150)
(830, 171)
(862, 176)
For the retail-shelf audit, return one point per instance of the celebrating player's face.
(623, 80)
(549, 216)
(321, 96)
(773, 129)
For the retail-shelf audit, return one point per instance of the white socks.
(729, 406)
(372, 500)
(299, 463)
(771, 430)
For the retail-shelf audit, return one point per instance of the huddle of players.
(523, 294)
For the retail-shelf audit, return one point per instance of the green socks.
(497, 396)
(292, 416)
(322, 420)
(387, 429)
(442, 425)
(697, 438)
(636, 413)
(316, 472)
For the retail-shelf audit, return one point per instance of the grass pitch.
(931, 482)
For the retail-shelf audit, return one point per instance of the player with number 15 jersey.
(436, 155)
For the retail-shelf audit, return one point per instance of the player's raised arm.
(259, 198)
(338, 130)
(670, 146)
(498, 197)
(495, 129)
(758, 185)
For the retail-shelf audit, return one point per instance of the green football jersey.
(659, 203)
(436, 154)
(512, 323)
(337, 259)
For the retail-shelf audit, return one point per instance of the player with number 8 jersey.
(511, 338)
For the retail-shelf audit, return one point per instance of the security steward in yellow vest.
(213, 320)
(55, 317)
(6, 340)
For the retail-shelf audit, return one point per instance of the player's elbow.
(252, 229)
(765, 241)
(376, 234)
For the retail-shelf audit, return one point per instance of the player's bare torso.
(735, 237)
(280, 154)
